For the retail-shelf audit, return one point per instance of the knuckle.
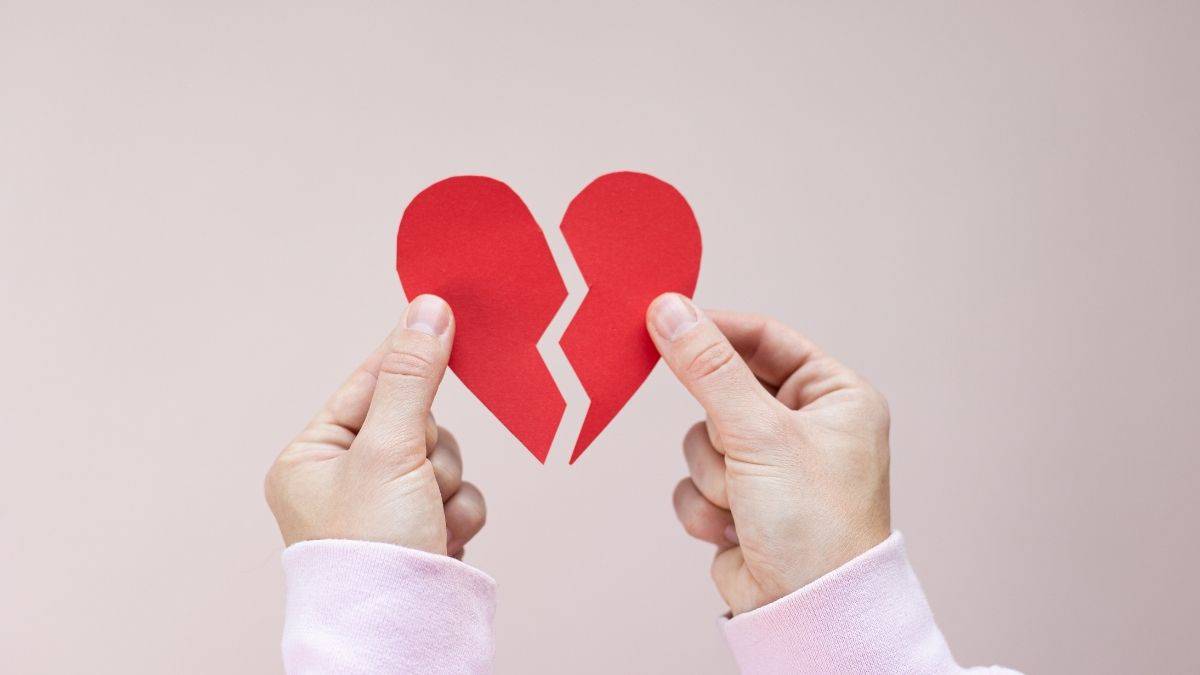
(445, 463)
(273, 483)
(406, 363)
(447, 440)
(692, 524)
(715, 570)
(768, 325)
(269, 486)
(432, 439)
(877, 407)
(449, 479)
(884, 409)
(711, 360)
(677, 497)
(713, 436)
(474, 507)
(689, 516)
(692, 440)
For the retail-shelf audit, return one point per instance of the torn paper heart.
(472, 241)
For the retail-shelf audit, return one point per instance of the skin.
(372, 465)
(788, 474)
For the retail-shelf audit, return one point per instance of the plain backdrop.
(990, 209)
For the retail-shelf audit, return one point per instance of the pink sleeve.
(364, 607)
(867, 616)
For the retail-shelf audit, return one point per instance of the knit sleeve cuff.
(867, 616)
(365, 607)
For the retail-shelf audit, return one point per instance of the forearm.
(364, 607)
(868, 616)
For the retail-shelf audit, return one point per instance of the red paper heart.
(472, 241)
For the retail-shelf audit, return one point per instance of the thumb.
(413, 363)
(703, 360)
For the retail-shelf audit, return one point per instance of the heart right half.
(634, 237)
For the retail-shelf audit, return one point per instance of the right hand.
(789, 472)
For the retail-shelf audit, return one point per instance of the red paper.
(634, 237)
(472, 241)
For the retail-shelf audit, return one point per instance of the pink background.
(989, 208)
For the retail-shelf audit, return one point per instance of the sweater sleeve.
(867, 616)
(365, 607)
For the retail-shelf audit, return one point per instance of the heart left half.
(473, 242)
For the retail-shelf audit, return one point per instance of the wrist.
(817, 556)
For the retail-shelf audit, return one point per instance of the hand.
(789, 473)
(373, 465)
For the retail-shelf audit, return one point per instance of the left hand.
(372, 465)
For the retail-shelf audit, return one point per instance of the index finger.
(772, 350)
(798, 371)
(342, 415)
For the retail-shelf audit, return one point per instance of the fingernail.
(731, 534)
(674, 315)
(428, 314)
